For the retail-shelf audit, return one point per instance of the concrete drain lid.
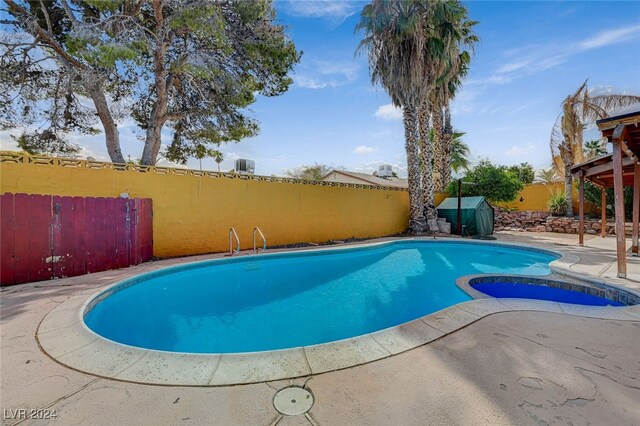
(293, 401)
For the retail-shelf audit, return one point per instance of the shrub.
(524, 172)
(592, 195)
(496, 183)
(557, 204)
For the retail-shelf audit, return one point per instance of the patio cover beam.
(581, 210)
(635, 220)
(603, 208)
(617, 139)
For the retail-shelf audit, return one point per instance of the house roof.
(371, 179)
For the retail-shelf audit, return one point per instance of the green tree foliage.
(205, 62)
(524, 172)
(58, 59)
(394, 36)
(450, 45)
(193, 66)
(496, 183)
(218, 157)
(547, 175)
(593, 149)
(44, 142)
(593, 195)
(459, 153)
(314, 172)
(557, 203)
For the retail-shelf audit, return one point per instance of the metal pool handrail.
(264, 240)
(233, 233)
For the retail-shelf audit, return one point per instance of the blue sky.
(531, 55)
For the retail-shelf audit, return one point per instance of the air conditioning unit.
(245, 166)
(385, 170)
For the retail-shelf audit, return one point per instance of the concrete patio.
(507, 368)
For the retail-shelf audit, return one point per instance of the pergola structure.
(616, 170)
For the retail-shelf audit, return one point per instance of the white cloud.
(540, 57)
(519, 151)
(333, 9)
(320, 74)
(347, 69)
(310, 83)
(363, 149)
(388, 112)
(512, 66)
(606, 38)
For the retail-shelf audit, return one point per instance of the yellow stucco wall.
(192, 214)
(534, 197)
(440, 197)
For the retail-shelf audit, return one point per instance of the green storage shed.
(476, 213)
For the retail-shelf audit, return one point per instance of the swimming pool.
(286, 300)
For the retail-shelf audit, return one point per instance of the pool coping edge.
(64, 336)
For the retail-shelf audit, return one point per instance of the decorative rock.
(540, 221)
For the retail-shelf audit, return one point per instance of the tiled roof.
(371, 179)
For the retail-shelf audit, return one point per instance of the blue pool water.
(532, 291)
(297, 299)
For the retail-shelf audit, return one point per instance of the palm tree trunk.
(446, 146)
(438, 153)
(416, 212)
(426, 157)
(568, 190)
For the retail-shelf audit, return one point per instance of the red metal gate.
(47, 236)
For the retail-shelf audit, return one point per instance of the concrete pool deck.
(511, 367)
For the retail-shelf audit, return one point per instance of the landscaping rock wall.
(540, 221)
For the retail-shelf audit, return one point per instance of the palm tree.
(394, 39)
(201, 151)
(594, 149)
(547, 175)
(450, 33)
(219, 158)
(453, 86)
(459, 153)
(578, 109)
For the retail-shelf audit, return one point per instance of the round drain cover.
(293, 401)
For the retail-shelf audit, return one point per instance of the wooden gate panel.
(21, 229)
(99, 243)
(39, 237)
(44, 236)
(7, 242)
(68, 243)
(90, 234)
(143, 231)
(110, 233)
(122, 234)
